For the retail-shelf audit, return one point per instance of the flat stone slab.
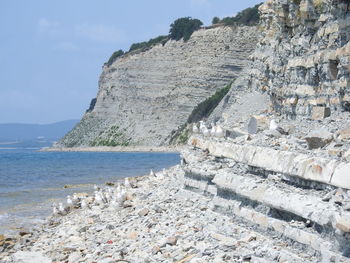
(305, 166)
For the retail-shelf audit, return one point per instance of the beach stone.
(155, 250)
(171, 241)
(344, 134)
(2, 239)
(74, 257)
(319, 112)
(318, 138)
(346, 205)
(346, 155)
(344, 224)
(143, 212)
(30, 257)
(133, 235)
(272, 133)
(108, 260)
(127, 203)
(252, 126)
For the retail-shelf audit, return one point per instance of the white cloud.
(201, 3)
(45, 26)
(100, 33)
(66, 34)
(66, 46)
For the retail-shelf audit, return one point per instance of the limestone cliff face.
(301, 62)
(303, 58)
(144, 97)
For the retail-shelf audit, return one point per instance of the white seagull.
(219, 132)
(274, 127)
(195, 128)
(213, 130)
(126, 182)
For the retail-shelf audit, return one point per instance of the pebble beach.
(157, 221)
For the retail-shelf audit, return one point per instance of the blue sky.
(52, 51)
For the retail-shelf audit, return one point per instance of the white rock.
(30, 257)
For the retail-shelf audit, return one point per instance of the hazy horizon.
(52, 52)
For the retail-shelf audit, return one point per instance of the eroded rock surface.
(144, 96)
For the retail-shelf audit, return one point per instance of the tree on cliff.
(183, 28)
(249, 16)
(215, 20)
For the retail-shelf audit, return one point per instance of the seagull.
(213, 129)
(274, 127)
(106, 197)
(54, 209)
(75, 199)
(69, 201)
(195, 128)
(151, 173)
(118, 188)
(206, 131)
(83, 204)
(98, 198)
(62, 210)
(126, 182)
(219, 132)
(202, 126)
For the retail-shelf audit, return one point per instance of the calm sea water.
(30, 181)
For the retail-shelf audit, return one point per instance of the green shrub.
(111, 137)
(183, 28)
(114, 57)
(249, 16)
(215, 20)
(205, 108)
(150, 43)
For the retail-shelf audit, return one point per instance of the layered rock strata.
(303, 57)
(259, 186)
(145, 96)
(301, 62)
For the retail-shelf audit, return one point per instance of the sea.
(30, 181)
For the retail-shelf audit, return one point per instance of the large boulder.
(318, 138)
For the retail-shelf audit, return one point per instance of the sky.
(52, 51)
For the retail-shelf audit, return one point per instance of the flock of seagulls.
(214, 130)
(108, 196)
(117, 195)
(112, 196)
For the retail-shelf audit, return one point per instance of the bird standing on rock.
(69, 201)
(202, 127)
(126, 182)
(62, 210)
(219, 132)
(274, 127)
(206, 132)
(213, 129)
(54, 209)
(83, 204)
(195, 128)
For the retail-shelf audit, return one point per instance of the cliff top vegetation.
(248, 17)
(183, 28)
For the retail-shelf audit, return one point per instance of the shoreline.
(160, 149)
(157, 220)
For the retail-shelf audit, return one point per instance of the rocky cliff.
(144, 97)
(301, 61)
